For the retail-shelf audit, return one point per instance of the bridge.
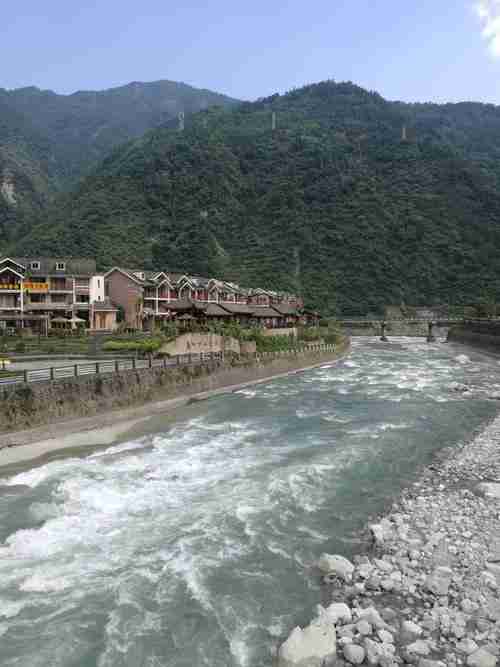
(422, 327)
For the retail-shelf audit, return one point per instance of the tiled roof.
(213, 310)
(265, 312)
(238, 308)
(75, 266)
(285, 308)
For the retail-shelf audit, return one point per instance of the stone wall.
(194, 343)
(30, 405)
(485, 335)
(289, 331)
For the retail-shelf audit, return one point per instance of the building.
(150, 298)
(36, 290)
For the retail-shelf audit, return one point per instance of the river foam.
(193, 545)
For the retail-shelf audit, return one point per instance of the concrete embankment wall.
(29, 405)
(485, 335)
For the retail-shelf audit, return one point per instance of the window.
(35, 266)
(98, 283)
(60, 266)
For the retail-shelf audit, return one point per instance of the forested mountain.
(352, 200)
(49, 141)
(25, 174)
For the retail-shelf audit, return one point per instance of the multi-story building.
(149, 298)
(36, 290)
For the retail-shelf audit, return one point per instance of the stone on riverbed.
(339, 611)
(481, 658)
(489, 489)
(310, 647)
(439, 581)
(337, 565)
(354, 654)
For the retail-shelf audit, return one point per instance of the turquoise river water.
(192, 545)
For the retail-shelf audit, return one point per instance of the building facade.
(149, 299)
(34, 291)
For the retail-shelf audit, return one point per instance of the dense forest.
(329, 190)
(48, 142)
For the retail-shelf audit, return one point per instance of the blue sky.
(426, 50)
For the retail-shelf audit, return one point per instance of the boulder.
(339, 612)
(337, 565)
(467, 646)
(481, 658)
(420, 647)
(371, 615)
(363, 627)
(354, 654)
(489, 489)
(310, 647)
(410, 630)
(382, 532)
(439, 581)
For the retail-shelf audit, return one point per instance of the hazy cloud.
(489, 15)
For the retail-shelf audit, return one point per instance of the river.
(193, 544)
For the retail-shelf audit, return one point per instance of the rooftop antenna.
(181, 121)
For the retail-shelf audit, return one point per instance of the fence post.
(52, 372)
(178, 360)
(76, 370)
(26, 376)
(150, 361)
(117, 366)
(189, 358)
(133, 364)
(97, 368)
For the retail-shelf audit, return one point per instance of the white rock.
(481, 658)
(339, 612)
(467, 646)
(310, 647)
(490, 489)
(382, 532)
(338, 565)
(371, 615)
(439, 581)
(354, 654)
(385, 637)
(410, 629)
(363, 627)
(420, 647)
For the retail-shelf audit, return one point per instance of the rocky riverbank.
(428, 592)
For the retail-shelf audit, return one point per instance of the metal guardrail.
(55, 373)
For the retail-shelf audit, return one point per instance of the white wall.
(97, 288)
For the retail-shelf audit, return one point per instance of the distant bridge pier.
(383, 337)
(431, 338)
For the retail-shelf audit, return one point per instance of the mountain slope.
(85, 126)
(25, 173)
(49, 141)
(352, 200)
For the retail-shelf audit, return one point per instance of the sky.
(411, 50)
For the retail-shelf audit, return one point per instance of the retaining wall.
(485, 335)
(29, 405)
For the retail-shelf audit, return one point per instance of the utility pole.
(273, 121)
(181, 121)
(404, 136)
